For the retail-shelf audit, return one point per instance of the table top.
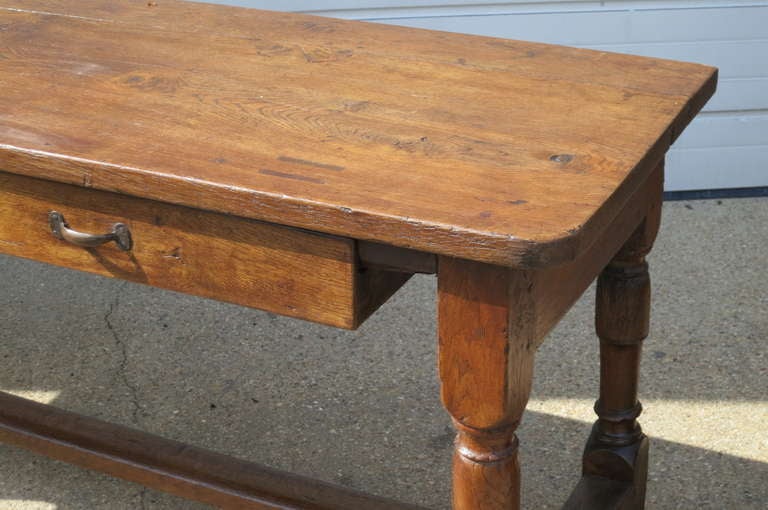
(501, 151)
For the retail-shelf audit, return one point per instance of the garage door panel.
(724, 130)
(718, 167)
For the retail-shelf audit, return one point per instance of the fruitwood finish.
(491, 320)
(389, 134)
(284, 270)
(310, 166)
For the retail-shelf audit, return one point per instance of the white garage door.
(726, 147)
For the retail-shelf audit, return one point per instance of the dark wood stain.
(298, 161)
(286, 175)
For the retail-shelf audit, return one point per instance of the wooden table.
(309, 166)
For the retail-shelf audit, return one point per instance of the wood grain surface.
(283, 270)
(492, 150)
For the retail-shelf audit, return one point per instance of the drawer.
(283, 270)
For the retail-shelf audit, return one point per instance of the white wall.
(725, 147)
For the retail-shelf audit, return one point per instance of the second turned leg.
(617, 449)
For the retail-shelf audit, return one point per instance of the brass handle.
(60, 229)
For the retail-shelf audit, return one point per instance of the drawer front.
(283, 270)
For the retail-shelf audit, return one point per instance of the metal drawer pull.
(60, 229)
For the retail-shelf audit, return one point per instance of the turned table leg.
(617, 448)
(486, 367)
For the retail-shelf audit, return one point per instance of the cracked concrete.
(123, 350)
(143, 498)
(362, 408)
(122, 373)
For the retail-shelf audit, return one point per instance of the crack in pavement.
(132, 389)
